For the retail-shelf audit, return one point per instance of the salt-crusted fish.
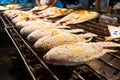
(35, 35)
(33, 22)
(48, 42)
(52, 12)
(27, 30)
(77, 17)
(76, 53)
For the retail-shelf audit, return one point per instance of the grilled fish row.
(63, 47)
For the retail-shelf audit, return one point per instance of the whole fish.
(77, 53)
(41, 25)
(77, 17)
(48, 42)
(35, 35)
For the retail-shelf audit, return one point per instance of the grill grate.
(98, 69)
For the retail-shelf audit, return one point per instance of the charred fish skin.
(76, 53)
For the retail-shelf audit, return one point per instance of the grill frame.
(9, 26)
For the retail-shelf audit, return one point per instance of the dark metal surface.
(104, 68)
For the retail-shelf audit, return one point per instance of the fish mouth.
(53, 61)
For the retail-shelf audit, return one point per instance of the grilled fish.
(35, 35)
(38, 8)
(25, 23)
(77, 17)
(23, 17)
(48, 42)
(27, 30)
(12, 13)
(77, 53)
(52, 12)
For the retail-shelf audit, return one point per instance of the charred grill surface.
(106, 67)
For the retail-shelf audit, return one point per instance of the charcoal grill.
(106, 67)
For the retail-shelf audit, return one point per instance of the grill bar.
(97, 72)
(115, 56)
(20, 54)
(5, 21)
(109, 64)
(78, 75)
(81, 78)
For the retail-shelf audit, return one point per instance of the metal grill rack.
(106, 67)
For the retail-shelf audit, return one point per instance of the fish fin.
(109, 44)
(75, 30)
(87, 35)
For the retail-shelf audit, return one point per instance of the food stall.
(65, 44)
